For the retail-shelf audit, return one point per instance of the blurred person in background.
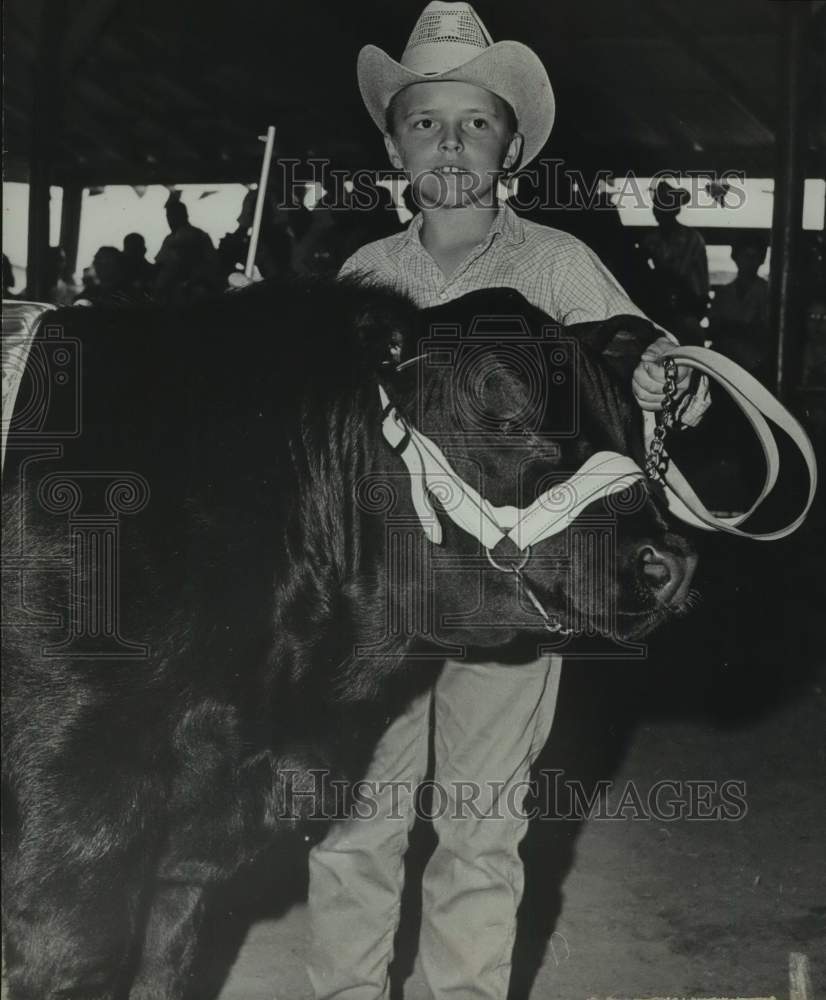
(59, 281)
(814, 305)
(601, 228)
(107, 284)
(739, 316)
(275, 240)
(139, 274)
(188, 266)
(679, 290)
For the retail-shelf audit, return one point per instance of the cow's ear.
(384, 348)
(395, 347)
(382, 337)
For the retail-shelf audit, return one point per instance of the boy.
(457, 113)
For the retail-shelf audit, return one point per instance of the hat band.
(432, 58)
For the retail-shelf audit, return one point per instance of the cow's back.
(198, 434)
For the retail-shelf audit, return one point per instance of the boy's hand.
(237, 279)
(649, 377)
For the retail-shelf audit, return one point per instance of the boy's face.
(453, 140)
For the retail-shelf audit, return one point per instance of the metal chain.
(516, 569)
(656, 462)
(551, 626)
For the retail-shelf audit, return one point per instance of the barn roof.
(178, 90)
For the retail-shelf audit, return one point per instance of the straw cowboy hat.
(449, 42)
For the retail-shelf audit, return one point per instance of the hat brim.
(509, 69)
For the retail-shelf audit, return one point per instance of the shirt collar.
(506, 223)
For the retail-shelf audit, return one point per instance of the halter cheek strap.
(431, 474)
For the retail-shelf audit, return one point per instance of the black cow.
(217, 588)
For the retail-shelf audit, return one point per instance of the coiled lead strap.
(756, 403)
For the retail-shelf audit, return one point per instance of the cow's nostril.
(667, 573)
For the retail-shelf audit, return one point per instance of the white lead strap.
(756, 403)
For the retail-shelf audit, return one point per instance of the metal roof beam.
(686, 38)
(84, 31)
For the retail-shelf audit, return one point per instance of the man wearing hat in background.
(458, 113)
(678, 254)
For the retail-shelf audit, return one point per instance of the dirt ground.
(653, 908)
(619, 907)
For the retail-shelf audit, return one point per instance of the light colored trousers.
(491, 722)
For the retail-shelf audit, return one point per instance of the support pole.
(269, 142)
(787, 218)
(46, 98)
(70, 223)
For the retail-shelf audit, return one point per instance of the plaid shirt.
(553, 270)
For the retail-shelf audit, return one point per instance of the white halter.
(602, 475)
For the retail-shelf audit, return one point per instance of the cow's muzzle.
(667, 574)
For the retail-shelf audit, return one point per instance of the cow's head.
(519, 410)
